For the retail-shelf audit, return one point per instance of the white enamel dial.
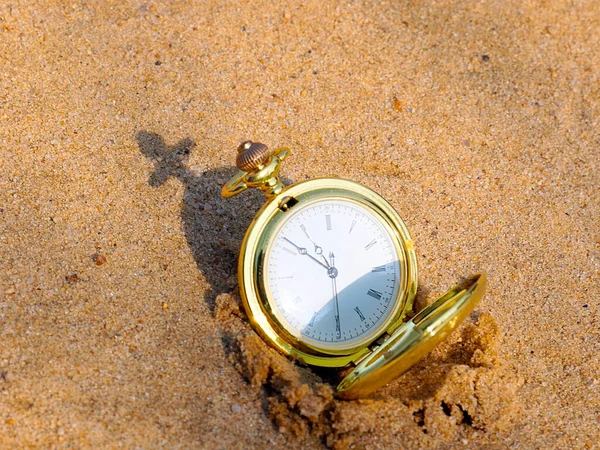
(333, 273)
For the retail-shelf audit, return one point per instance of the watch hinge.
(384, 337)
(374, 346)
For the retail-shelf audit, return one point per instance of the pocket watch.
(328, 274)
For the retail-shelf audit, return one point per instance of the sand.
(119, 121)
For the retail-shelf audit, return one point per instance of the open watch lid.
(412, 341)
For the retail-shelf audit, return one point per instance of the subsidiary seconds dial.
(333, 273)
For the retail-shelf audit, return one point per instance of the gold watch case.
(392, 347)
(257, 298)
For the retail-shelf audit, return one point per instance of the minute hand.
(303, 251)
(333, 274)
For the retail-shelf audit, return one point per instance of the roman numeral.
(352, 226)
(379, 268)
(371, 244)
(375, 294)
(312, 320)
(328, 222)
(360, 314)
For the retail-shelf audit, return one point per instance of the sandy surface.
(118, 125)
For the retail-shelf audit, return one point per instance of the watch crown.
(259, 168)
(251, 155)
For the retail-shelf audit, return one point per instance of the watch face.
(333, 274)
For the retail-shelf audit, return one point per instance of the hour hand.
(301, 250)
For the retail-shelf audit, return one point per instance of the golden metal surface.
(407, 342)
(412, 341)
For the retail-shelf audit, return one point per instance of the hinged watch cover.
(412, 341)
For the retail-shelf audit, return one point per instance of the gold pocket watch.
(328, 273)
